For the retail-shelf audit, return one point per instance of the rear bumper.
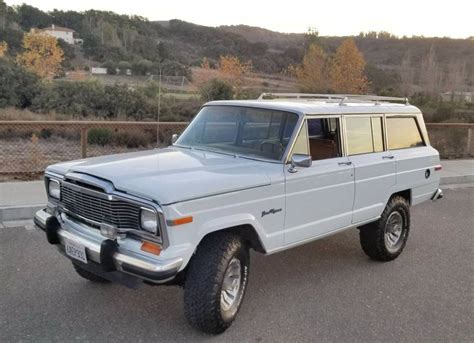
(437, 195)
(110, 256)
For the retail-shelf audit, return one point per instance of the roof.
(309, 107)
(57, 28)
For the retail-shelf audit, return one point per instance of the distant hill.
(178, 45)
(275, 40)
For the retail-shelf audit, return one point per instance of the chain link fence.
(28, 147)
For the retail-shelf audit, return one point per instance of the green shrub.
(18, 87)
(99, 136)
(45, 133)
(132, 139)
(216, 89)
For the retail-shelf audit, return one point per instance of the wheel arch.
(406, 194)
(246, 231)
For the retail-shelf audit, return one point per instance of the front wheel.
(385, 239)
(215, 282)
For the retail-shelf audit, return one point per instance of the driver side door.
(319, 198)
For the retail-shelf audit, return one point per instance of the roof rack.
(341, 98)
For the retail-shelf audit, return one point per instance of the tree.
(123, 66)
(18, 87)
(3, 48)
(455, 78)
(347, 69)
(406, 75)
(234, 70)
(41, 55)
(216, 89)
(312, 74)
(142, 67)
(110, 66)
(311, 37)
(430, 74)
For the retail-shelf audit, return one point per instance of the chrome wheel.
(394, 231)
(230, 292)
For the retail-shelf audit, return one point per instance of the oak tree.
(312, 73)
(347, 69)
(41, 55)
(3, 48)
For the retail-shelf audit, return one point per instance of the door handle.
(389, 157)
(344, 163)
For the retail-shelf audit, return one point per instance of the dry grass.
(261, 82)
(12, 113)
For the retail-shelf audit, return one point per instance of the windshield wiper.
(215, 151)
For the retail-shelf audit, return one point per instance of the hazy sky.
(454, 18)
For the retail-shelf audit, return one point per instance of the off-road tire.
(372, 236)
(204, 281)
(88, 275)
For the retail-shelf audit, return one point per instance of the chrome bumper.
(122, 260)
(438, 194)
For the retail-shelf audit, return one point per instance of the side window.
(301, 143)
(323, 137)
(403, 133)
(377, 135)
(364, 135)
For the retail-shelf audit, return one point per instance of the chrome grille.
(122, 214)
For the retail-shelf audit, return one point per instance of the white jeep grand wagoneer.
(267, 175)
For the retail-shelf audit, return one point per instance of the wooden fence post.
(84, 142)
(470, 145)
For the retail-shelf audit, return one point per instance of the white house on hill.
(59, 32)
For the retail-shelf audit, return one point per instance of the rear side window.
(403, 133)
(364, 135)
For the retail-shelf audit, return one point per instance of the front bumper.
(110, 256)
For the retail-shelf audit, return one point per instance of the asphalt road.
(323, 291)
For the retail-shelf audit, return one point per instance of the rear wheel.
(385, 239)
(88, 275)
(215, 282)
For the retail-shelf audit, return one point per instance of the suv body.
(264, 174)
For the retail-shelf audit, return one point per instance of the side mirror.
(300, 160)
(174, 138)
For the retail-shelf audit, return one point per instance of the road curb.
(13, 213)
(458, 179)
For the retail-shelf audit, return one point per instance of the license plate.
(76, 251)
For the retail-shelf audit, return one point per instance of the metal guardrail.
(28, 147)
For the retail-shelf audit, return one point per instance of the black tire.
(204, 282)
(88, 275)
(373, 239)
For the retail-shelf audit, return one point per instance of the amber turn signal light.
(150, 247)
(181, 221)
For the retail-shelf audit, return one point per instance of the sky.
(435, 18)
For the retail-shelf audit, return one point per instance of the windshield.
(246, 131)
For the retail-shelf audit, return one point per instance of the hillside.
(174, 46)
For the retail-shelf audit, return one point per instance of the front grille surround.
(94, 207)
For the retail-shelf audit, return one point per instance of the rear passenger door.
(375, 168)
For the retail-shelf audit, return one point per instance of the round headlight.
(54, 189)
(149, 220)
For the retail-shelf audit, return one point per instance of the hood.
(173, 174)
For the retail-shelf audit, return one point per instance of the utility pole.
(159, 109)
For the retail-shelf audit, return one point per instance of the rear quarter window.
(403, 133)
